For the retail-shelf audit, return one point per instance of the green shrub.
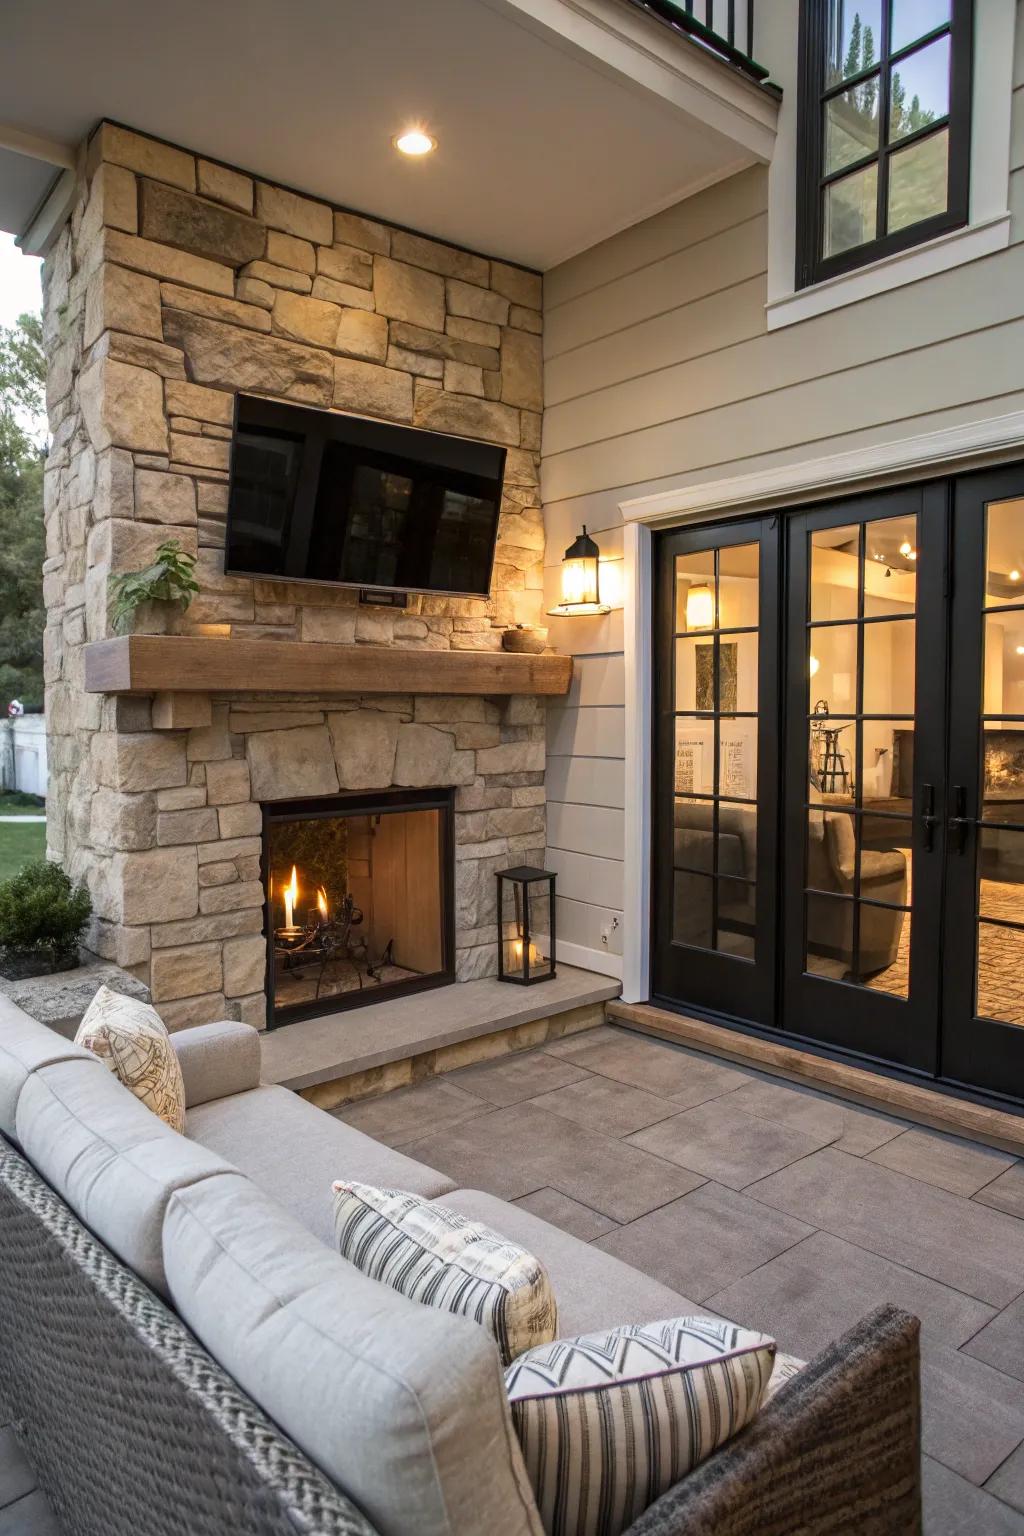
(42, 916)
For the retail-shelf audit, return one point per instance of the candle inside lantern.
(517, 953)
(291, 896)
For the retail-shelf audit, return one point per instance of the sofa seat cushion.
(435, 1256)
(402, 1406)
(113, 1161)
(131, 1039)
(295, 1151)
(26, 1045)
(594, 1289)
(609, 1421)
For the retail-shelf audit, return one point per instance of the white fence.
(23, 754)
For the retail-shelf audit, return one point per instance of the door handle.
(929, 820)
(960, 823)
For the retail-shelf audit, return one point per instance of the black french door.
(839, 776)
(716, 618)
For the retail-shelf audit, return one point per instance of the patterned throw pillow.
(132, 1039)
(609, 1421)
(435, 1256)
(786, 1367)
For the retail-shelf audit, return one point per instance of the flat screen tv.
(321, 497)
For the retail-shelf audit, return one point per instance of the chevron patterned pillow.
(435, 1256)
(609, 1421)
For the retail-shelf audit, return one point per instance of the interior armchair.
(831, 852)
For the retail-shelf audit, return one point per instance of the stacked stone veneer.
(176, 283)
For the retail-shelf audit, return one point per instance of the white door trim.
(948, 449)
(988, 440)
(638, 617)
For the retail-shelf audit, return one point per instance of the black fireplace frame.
(361, 803)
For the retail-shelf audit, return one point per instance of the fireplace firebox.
(359, 899)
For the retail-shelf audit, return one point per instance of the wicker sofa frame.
(134, 1430)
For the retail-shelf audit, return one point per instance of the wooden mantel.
(206, 664)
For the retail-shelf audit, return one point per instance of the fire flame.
(321, 901)
(294, 888)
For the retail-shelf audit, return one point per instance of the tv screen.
(321, 497)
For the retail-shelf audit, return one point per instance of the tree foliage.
(22, 542)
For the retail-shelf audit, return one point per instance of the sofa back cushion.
(113, 1161)
(404, 1407)
(26, 1045)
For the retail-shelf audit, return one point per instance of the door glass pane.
(692, 910)
(912, 19)
(850, 213)
(919, 89)
(885, 858)
(919, 181)
(737, 673)
(1001, 874)
(1004, 662)
(1003, 771)
(832, 670)
(829, 950)
(695, 592)
(695, 673)
(694, 835)
(834, 557)
(1000, 973)
(889, 667)
(831, 746)
(738, 572)
(1004, 553)
(737, 759)
(854, 35)
(883, 950)
(831, 849)
(737, 841)
(736, 912)
(695, 757)
(851, 125)
(890, 567)
(886, 770)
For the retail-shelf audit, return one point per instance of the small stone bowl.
(525, 639)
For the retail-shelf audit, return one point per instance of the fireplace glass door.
(358, 899)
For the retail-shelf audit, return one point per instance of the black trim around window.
(814, 92)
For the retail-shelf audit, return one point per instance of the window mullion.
(882, 213)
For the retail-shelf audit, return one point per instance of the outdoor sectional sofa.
(184, 1350)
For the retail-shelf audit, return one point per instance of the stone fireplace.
(178, 283)
(359, 899)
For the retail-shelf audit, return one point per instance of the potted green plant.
(42, 916)
(145, 600)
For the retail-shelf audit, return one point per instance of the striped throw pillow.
(609, 1421)
(435, 1256)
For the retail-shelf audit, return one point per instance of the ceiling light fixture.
(414, 142)
(1015, 575)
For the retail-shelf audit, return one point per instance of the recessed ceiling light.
(414, 142)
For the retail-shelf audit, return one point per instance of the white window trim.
(988, 229)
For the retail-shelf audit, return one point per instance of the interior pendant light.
(580, 579)
(700, 607)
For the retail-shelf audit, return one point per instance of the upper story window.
(885, 110)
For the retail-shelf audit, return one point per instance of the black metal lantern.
(526, 925)
(581, 568)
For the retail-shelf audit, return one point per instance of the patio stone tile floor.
(773, 1204)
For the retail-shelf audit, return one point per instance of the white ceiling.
(542, 150)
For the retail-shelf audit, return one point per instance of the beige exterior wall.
(660, 372)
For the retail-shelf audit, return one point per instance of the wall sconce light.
(700, 608)
(580, 581)
(812, 666)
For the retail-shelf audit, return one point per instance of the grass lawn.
(18, 844)
(14, 803)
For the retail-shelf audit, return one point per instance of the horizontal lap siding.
(660, 372)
